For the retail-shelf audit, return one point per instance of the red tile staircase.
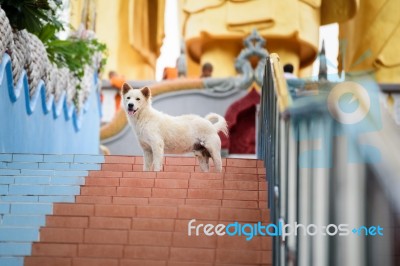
(124, 216)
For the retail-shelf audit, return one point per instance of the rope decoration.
(5, 33)
(35, 64)
(71, 87)
(50, 78)
(18, 52)
(87, 82)
(62, 82)
(28, 52)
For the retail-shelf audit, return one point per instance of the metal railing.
(319, 172)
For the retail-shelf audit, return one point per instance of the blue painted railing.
(34, 124)
(336, 180)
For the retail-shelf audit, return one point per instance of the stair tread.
(121, 213)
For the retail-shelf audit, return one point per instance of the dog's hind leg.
(148, 160)
(158, 154)
(213, 146)
(203, 161)
(202, 154)
(216, 156)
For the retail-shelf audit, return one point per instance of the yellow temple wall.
(133, 31)
(372, 40)
(214, 31)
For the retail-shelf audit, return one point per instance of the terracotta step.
(172, 188)
(124, 216)
(182, 164)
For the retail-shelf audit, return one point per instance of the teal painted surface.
(11, 261)
(28, 194)
(36, 125)
(14, 249)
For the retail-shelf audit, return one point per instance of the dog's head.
(135, 99)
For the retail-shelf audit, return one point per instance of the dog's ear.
(146, 92)
(125, 88)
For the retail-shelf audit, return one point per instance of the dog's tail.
(218, 122)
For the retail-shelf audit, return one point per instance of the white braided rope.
(35, 64)
(18, 53)
(27, 51)
(62, 82)
(20, 40)
(87, 82)
(5, 33)
(50, 78)
(79, 100)
(71, 87)
(96, 61)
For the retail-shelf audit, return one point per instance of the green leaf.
(47, 33)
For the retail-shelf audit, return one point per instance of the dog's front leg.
(148, 160)
(158, 154)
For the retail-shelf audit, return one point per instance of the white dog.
(160, 133)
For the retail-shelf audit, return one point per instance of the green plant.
(32, 15)
(72, 52)
(39, 17)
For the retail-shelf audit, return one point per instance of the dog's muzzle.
(131, 109)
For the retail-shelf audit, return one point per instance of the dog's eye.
(128, 98)
(137, 99)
